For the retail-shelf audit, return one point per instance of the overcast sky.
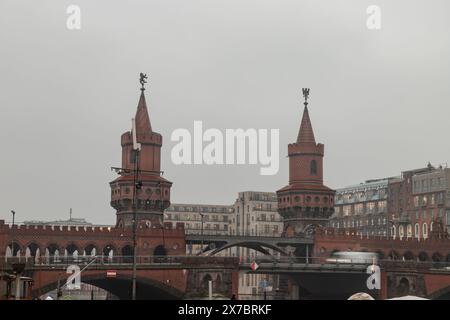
(379, 99)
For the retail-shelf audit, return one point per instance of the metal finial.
(305, 95)
(142, 80)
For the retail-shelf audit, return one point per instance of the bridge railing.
(7, 262)
(442, 265)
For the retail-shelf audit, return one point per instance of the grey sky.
(379, 99)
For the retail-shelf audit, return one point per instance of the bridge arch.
(146, 288)
(257, 246)
(442, 294)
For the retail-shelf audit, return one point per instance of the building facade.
(421, 202)
(362, 208)
(256, 214)
(201, 218)
(413, 204)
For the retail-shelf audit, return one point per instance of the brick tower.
(143, 167)
(306, 202)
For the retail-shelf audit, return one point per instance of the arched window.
(425, 230)
(394, 231)
(313, 167)
(416, 231)
(401, 232)
(409, 231)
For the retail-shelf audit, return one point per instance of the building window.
(425, 230)
(401, 232)
(409, 231)
(313, 167)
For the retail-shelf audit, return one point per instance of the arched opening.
(393, 255)
(71, 249)
(423, 256)
(13, 249)
(403, 287)
(313, 167)
(437, 257)
(52, 248)
(127, 254)
(90, 250)
(33, 248)
(408, 255)
(109, 250)
(160, 251)
(205, 282)
(217, 284)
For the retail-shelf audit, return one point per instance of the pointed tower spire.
(306, 133)
(143, 126)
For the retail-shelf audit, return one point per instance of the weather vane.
(305, 95)
(142, 80)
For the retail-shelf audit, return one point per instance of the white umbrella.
(409, 298)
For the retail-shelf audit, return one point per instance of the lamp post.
(12, 239)
(136, 187)
(201, 232)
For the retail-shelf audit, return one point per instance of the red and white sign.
(111, 274)
(254, 266)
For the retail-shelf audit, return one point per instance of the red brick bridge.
(48, 251)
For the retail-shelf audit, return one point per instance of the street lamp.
(201, 232)
(12, 239)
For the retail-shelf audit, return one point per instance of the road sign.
(254, 266)
(111, 273)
